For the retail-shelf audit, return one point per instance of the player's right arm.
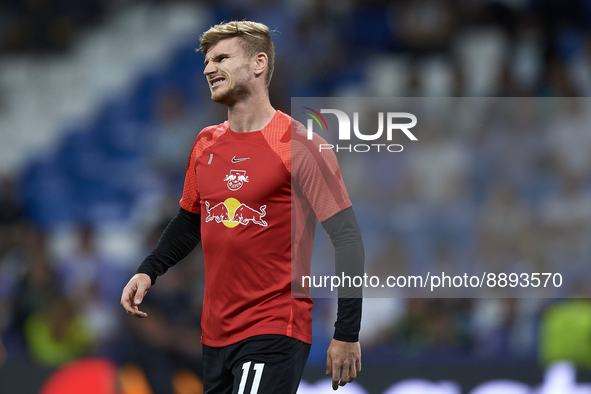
(180, 237)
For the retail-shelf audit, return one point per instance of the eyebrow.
(205, 62)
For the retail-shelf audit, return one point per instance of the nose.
(210, 68)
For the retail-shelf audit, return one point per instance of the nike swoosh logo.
(235, 160)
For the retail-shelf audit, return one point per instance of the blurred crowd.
(57, 307)
(509, 186)
(41, 26)
(497, 185)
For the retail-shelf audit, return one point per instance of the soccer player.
(244, 179)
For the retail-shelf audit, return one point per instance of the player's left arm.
(316, 172)
(343, 359)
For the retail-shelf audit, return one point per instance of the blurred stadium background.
(100, 101)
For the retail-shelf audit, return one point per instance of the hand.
(134, 292)
(343, 360)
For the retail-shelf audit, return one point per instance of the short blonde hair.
(255, 37)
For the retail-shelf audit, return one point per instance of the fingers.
(345, 376)
(334, 368)
(348, 373)
(141, 291)
(342, 374)
(132, 296)
(336, 375)
(126, 298)
(134, 311)
(343, 361)
(352, 372)
(345, 373)
(131, 307)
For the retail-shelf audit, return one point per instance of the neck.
(250, 115)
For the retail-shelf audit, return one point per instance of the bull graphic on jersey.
(236, 179)
(245, 214)
(232, 212)
(219, 212)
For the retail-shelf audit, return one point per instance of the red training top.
(241, 184)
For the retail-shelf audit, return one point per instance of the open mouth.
(215, 82)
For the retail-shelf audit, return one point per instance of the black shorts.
(263, 364)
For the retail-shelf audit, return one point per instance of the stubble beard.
(230, 95)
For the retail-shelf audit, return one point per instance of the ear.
(261, 62)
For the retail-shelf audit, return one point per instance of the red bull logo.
(218, 212)
(236, 179)
(232, 212)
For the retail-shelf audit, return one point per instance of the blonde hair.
(254, 38)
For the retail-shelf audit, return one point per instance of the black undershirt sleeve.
(179, 238)
(349, 260)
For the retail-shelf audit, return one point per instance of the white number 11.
(258, 367)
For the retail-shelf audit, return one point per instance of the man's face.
(228, 71)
